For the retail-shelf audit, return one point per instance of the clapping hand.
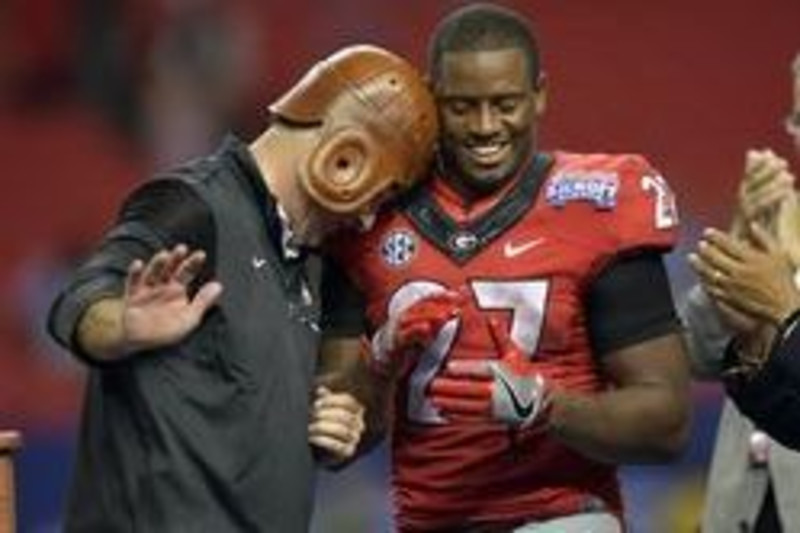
(751, 281)
(766, 185)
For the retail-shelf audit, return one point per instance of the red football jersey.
(527, 260)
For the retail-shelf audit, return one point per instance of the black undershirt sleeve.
(343, 305)
(630, 302)
(159, 214)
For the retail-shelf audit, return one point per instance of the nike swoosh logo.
(259, 263)
(522, 410)
(511, 250)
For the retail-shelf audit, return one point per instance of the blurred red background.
(94, 94)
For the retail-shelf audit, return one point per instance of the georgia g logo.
(398, 248)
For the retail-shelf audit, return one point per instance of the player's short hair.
(479, 27)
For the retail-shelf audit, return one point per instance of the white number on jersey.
(524, 299)
(666, 212)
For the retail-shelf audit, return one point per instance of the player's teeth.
(486, 150)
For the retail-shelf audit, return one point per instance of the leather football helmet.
(379, 127)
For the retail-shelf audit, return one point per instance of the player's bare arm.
(343, 366)
(644, 418)
(369, 369)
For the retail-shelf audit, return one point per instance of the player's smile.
(488, 154)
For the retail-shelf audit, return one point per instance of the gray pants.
(579, 523)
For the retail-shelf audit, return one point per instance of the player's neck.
(463, 203)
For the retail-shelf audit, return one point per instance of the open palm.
(158, 309)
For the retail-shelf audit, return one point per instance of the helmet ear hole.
(343, 164)
(341, 173)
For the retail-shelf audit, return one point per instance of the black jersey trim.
(462, 242)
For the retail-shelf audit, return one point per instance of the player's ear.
(540, 94)
(430, 83)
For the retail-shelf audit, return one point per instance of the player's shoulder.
(599, 177)
(589, 164)
(623, 183)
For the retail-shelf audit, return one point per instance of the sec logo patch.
(398, 248)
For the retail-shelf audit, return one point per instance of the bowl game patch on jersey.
(592, 186)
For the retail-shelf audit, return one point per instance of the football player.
(515, 310)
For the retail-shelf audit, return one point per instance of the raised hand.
(157, 308)
(510, 389)
(766, 184)
(787, 227)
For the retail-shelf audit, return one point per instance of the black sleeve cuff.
(784, 353)
(69, 308)
(772, 403)
(770, 396)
